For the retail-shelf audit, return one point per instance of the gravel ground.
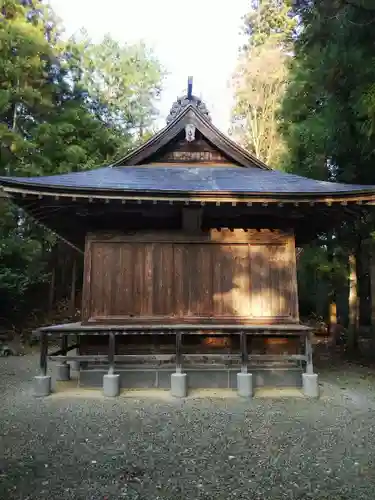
(95, 448)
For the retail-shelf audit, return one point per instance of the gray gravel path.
(95, 448)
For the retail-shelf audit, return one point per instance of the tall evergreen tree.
(328, 109)
(54, 120)
(259, 79)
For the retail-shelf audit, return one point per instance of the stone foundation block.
(245, 385)
(111, 385)
(310, 385)
(63, 372)
(42, 385)
(179, 385)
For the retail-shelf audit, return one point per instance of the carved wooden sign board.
(198, 150)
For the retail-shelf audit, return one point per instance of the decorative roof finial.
(190, 88)
(189, 99)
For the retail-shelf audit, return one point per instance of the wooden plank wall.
(218, 276)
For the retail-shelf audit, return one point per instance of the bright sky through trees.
(192, 37)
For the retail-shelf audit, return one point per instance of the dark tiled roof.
(183, 179)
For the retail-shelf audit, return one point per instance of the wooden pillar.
(111, 381)
(51, 297)
(43, 353)
(308, 354)
(178, 352)
(64, 345)
(372, 282)
(244, 354)
(111, 352)
(73, 288)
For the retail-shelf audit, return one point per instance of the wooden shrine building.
(189, 247)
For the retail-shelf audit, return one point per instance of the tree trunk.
(332, 320)
(363, 276)
(353, 305)
(372, 292)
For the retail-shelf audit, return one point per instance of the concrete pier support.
(111, 385)
(310, 385)
(42, 385)
(310, 382)
(63, 372)
(179, 385)
(245, 385)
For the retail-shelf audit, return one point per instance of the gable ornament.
(190, 132)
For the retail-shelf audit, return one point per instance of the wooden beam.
(64, 344)
(277, 357)
(59, 352)
(83, 358)
(43, 353)
(73, 287)
(244, 354)
(111, 352)
(179, 352)
(192, 219)
(308, 350)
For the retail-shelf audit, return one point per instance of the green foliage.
(64, 106)
(270, 20)
(328, 109)
(327, 113)
(260, 78)
(124, 80)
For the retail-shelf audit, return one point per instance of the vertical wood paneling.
(139, 278)
(97, 280)
(163, 270)
(273, 278)
(87, 294)
(146, 309)
(231, 280)
(256, 279)
(119, 281)
(204, 283)
(292, 266)
(228, 278)
(218, 270)
(198, 282)
(179, 263)
(241, 280)
(107, 276)
(275, 295)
